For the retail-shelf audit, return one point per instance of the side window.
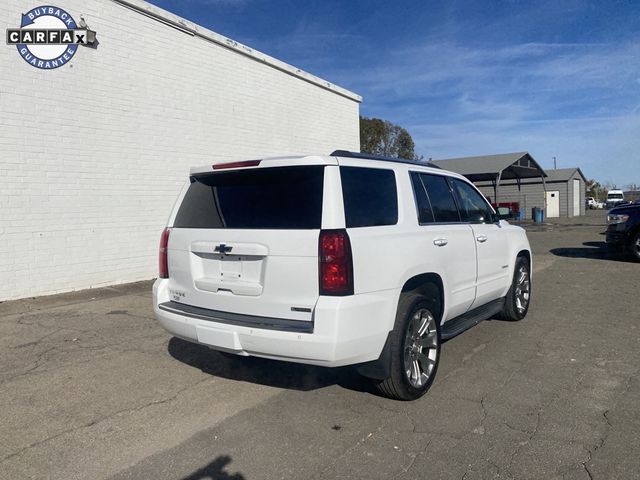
(473, 207)
(370, 196)
(425, 213)
(441, 198)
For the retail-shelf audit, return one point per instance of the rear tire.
(518, 297)
(415, 348)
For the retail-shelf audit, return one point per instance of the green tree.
(596, 190)
(381, 137)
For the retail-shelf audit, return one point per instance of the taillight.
(335, 263)
(163, 262)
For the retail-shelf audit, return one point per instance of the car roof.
(338, 157)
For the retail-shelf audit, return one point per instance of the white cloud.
(578, 102)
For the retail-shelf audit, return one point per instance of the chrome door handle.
(440, 242)
(481, 238)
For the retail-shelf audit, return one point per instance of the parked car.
(338, 260)
(594, 203)
(623, 231)
(614, 197)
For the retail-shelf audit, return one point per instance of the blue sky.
(554, 78)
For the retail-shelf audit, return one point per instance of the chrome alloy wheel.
(523, 289)
(420, 348)
(636, 247)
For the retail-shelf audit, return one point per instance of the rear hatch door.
(245, 241)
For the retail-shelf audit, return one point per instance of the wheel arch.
(633, 233)
(430, 285)
(525, 254)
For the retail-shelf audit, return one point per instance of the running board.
(467, 320)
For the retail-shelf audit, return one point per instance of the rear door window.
(441, 198)
(370, 196)
(261, 198)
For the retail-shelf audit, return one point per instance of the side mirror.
(503, 213)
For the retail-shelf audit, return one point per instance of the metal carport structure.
(495, 168)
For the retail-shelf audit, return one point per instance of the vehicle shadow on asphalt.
(595, 250)
(273, 373)
(215, 471)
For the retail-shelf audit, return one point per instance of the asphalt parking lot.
(92, 388)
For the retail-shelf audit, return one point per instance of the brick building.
(93, 154)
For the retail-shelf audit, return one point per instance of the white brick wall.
(93, 154)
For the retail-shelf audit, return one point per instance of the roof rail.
(368, 156)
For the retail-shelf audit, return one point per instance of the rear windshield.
(264, 198)
(614, 196)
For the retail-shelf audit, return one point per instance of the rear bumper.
(268, 323)
(345, 330)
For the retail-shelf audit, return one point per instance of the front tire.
(415, 348)
(518, 297)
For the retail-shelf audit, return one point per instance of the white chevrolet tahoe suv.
(336, 260)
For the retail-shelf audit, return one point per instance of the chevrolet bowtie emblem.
(222, 248)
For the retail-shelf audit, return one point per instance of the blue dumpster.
(537, 214)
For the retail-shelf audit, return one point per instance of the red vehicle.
(514, 208)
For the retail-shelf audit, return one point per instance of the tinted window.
(425, 214)
(473, 207)
(442, 202)
(370, 197)
(269, 198)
